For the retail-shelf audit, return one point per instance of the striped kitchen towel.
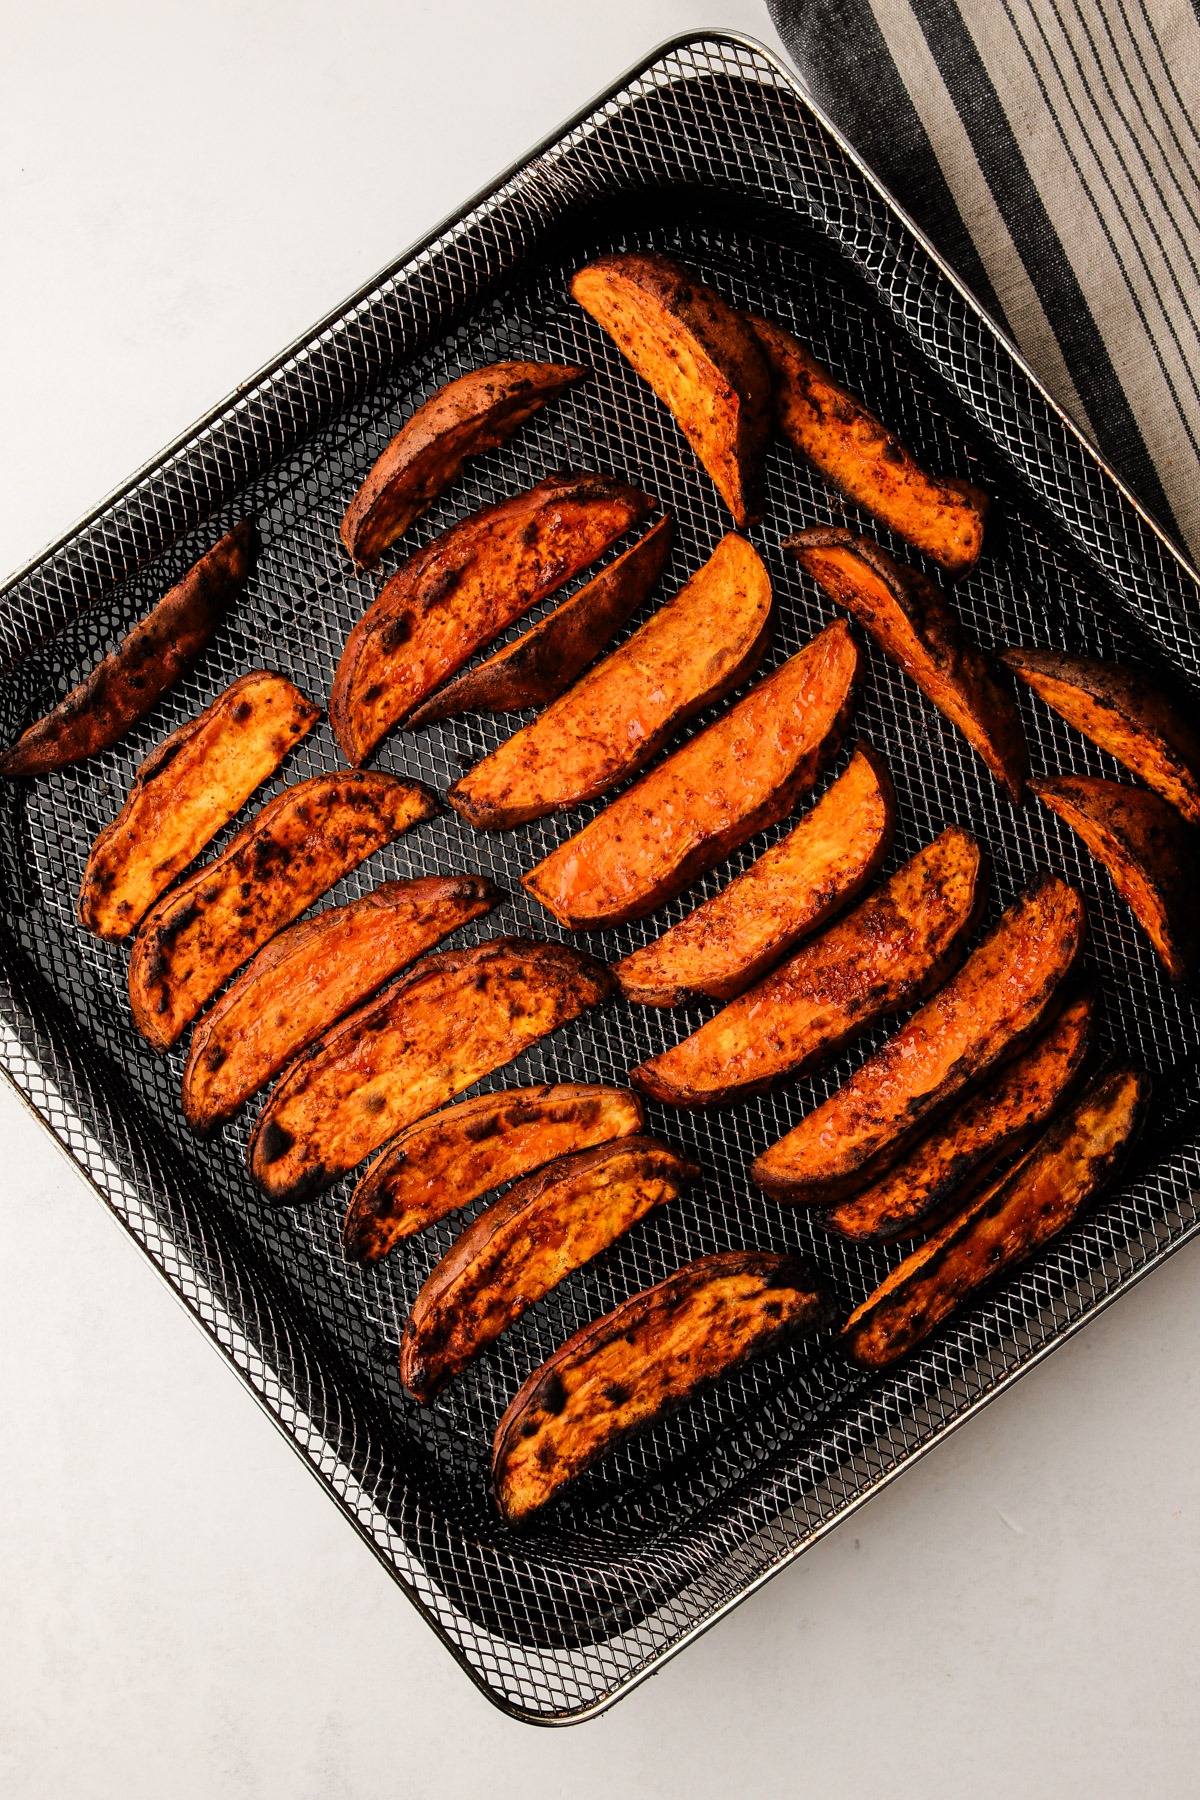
(1049, 149)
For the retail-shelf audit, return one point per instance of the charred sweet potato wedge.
(895, 946)
(1007, 989)
(743, 773)
(1124, 712)
(915, 625)
(309, 976)
(624, 1372)
(687, 655)
(478, 412)
(443, 1163)
(1151, 854)
(288, 855)
(524, 1244)
(122, 690)
(944, 1169)
(940, 515)
(185, 792)
(451, 1020)
(700, 357)
(454, 596)
(788, 894)
(1060, 1177)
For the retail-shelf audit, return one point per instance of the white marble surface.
(183, 188)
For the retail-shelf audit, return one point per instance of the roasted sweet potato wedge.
(544, 662)
(743, 773)
(1151, 854)
(478, 412)
(941, 515)
(944, 1169)
(624, 1372)
(689, 654)
(309, 976)
(444, 1162)
(895, 946)
(289, 854)
(1007, 989)
(122, 690)
(788, 894)
(913, 623)
(1061, 1176)
(454, 596)
(184, 792)
(524, 1244)
(453, 1019)
(700, 357)
(1124, 712)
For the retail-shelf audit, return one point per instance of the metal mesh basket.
(709, 152)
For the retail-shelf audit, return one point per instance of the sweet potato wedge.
(743, 773)
(122, 690)
(1003, 994)
(1063, 1174)
(941, 515)
(289, 854)
(624, 1372)
(944, 1169)
(1124, 712)
(914, 624)
(1149, 851)
(449, 599)
(788, 894)
(446, 1023)
(688, 654)
(185, 792)
(478, 412)
(443, 1163)
(543, 663)
(700, 357)
(897, 945)
(524, 1244)
(309, 976)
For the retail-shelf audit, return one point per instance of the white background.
(183, 189)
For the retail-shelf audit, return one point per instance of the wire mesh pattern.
(712, 155)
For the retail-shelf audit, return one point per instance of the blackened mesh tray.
(709, 152)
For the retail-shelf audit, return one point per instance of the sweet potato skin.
(941, 515)
(986, 1013)
(944, 1169)
(185, 791)
(914, 624)
(688, 655)
(289, 854)
(650, 1355)
(793, 889)
(309, 976)
(444, 1162)
(701, 359)
(524, 1244)
(895, 947)
(1150, 853)
(123, 689)
(1124, 712)
(449, 1021)
(478, 412)
(1061, 1176)
(741, 774)
(454, 596)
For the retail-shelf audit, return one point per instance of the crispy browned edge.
(476, 412)
(957, 664)
(122, 689)
(545, 661)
